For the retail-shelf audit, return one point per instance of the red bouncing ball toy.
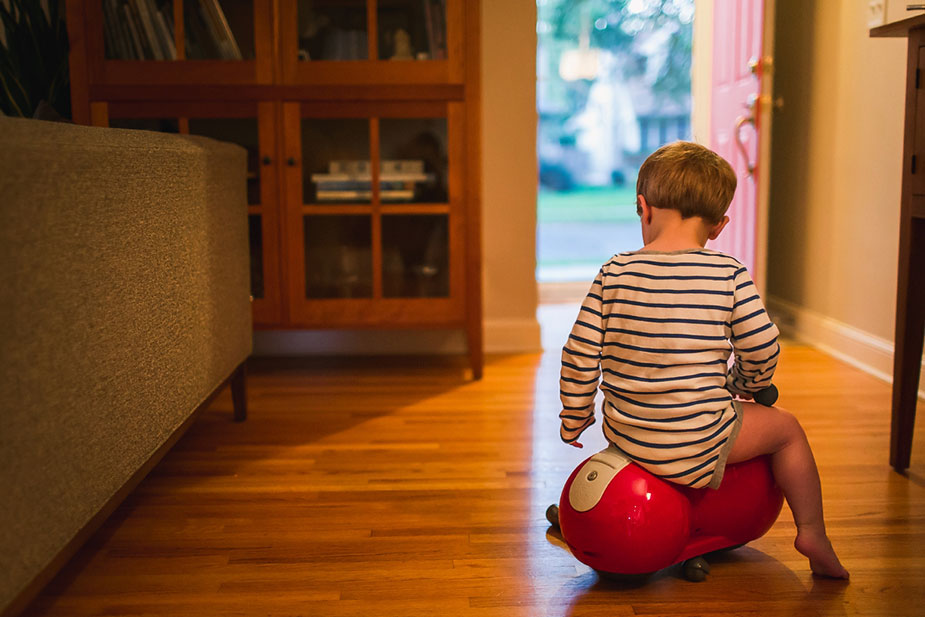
(618, 518)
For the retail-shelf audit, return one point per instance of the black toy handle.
(767, 397)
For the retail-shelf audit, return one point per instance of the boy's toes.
(822, 558)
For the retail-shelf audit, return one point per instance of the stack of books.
(144, 30)
(138, 30)
(352, 180)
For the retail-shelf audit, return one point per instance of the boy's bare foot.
(815, 545)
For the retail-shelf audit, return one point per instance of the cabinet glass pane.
(219, 29)
(255, 232)
(413, 160)
(138, 30)
(412, 29)
(335, 161)
(160, 125)
(338, 256)
(332, 30)
(240, 131)
(415, 256)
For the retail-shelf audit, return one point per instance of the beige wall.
(836, 165)
(509, 174)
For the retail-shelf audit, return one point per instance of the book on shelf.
(228, 40)
(137, 30)
(215, 27)
(162, 34)
(115, 47)
(349, 167)
(383, 178)
(398, 166)
(354, 169)
(166, 35)
(351, 180)
(167, 13)
(359, 195)
(140, 8)
(139, 50)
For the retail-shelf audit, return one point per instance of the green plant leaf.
(34, 58)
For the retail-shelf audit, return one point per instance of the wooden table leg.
(910, 326)
(239, 393)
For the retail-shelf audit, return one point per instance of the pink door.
(736, 124)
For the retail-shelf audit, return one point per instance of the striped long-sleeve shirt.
(656, 332)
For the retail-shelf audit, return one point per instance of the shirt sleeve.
(754, 340)
(581, 366)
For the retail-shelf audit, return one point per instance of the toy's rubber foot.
(552, 515)
(696, 569)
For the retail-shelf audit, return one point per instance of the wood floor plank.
(401, 489)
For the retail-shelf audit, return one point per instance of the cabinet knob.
(266, 160)
(290, 161)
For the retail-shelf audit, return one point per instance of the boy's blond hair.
(689, 178)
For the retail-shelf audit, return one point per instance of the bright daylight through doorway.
(613, 84)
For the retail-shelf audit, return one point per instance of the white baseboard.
(865, 351)
(501, 336)
(512, 336)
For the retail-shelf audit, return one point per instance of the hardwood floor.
(398, 488)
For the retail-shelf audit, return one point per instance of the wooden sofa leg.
(239, 393)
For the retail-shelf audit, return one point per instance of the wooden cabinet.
(360, 118)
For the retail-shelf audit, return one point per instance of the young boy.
(658, 326)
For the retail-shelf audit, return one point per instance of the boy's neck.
(669, 232)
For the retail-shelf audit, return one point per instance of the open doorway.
(613, 84)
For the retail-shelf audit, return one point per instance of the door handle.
(752, 107)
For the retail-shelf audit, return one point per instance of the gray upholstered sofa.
(124, 306)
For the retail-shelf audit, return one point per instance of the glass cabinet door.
(217, 41)
(373, 212)
(411, 29)
(332, 30)
(374, 41)
(413, 162)
(338, 256)
(415, 256)
(251, 126)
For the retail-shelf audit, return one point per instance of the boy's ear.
(644, 210)
(718, 228)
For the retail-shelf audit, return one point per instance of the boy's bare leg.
(771, 430)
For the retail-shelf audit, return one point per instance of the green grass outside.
(596, 205)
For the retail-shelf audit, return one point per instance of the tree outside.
(613, 84)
